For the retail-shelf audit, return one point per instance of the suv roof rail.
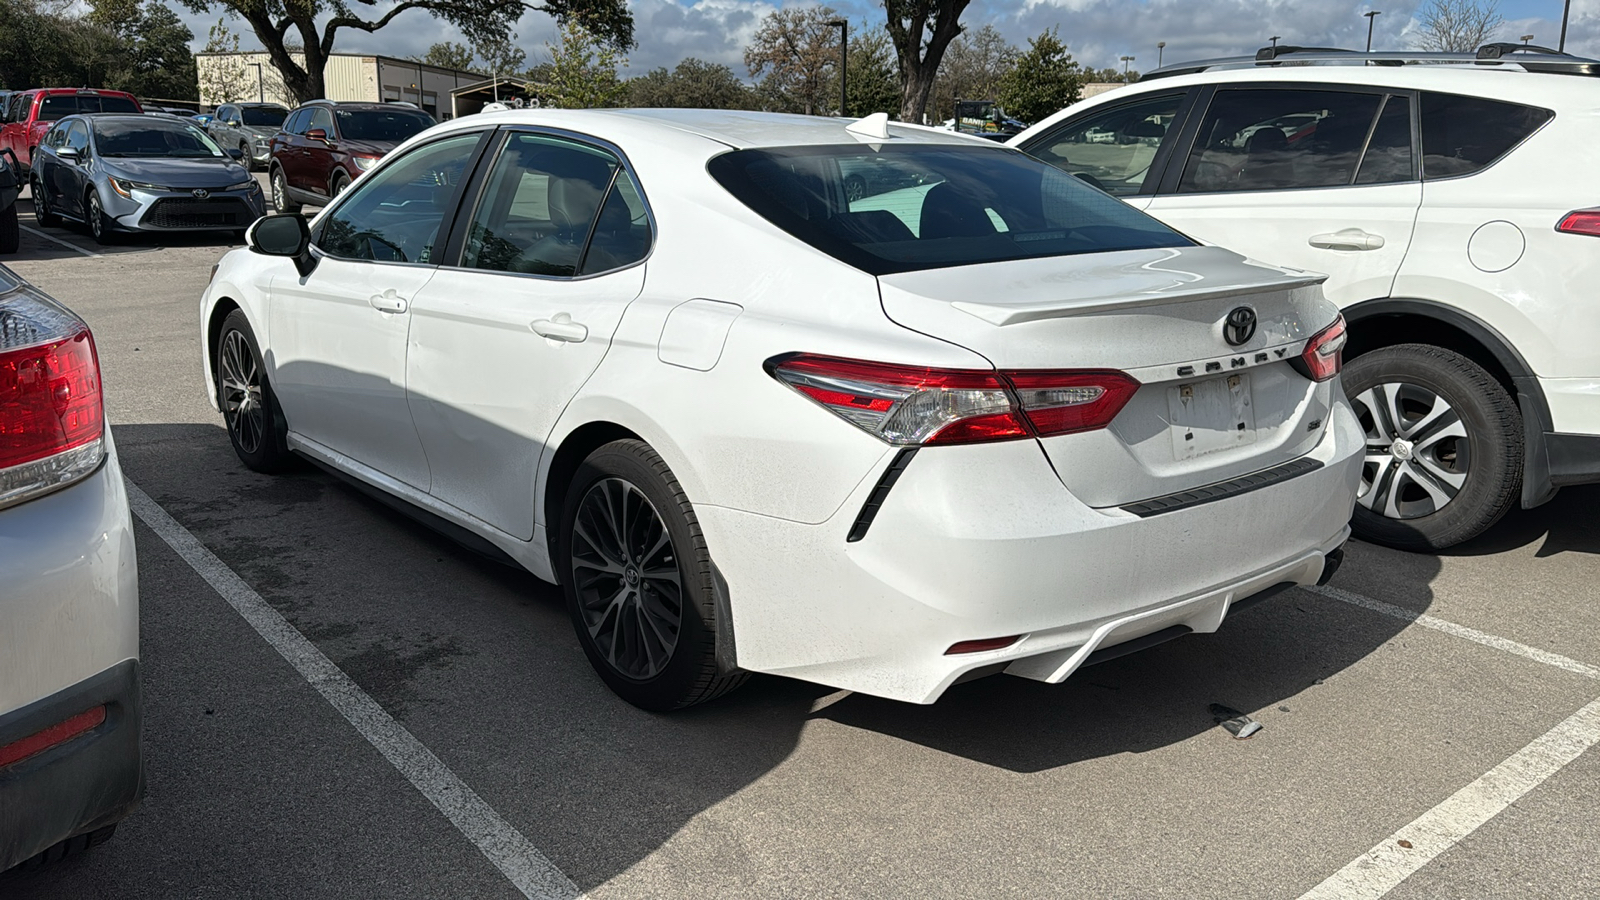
(1514, 57)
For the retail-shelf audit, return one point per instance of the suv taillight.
(1581, 221)
(917, 405)
(1324, 354)
(52, 421)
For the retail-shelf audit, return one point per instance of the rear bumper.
(85, 783)
(984, 541)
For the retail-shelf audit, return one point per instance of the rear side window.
(1388, 157)
(1462, 135)
(54, 106)
(1263, 140)
(932, 206)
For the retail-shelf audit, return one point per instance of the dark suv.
(324, 145)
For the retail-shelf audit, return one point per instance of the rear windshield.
(56, 106)
(263, 116)
(908, 208)
(393, 125)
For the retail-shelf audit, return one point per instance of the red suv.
(29, 114)
(325, 145)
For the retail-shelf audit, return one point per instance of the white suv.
(1448, 199)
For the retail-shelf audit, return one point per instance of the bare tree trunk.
(919, 57)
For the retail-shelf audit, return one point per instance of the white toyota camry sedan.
(964, 415)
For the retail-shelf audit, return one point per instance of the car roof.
(116, 118)
(735, 128)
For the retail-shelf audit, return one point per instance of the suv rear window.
(55, 106)
(929, 206)
(381, 124)
(263, 116)
(1462, 135)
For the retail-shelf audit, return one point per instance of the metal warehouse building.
(238, 77)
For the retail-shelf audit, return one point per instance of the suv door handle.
(560, 327)
(1348, 239)
(388, 302)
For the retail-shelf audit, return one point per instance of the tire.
(280, 193)
(94, 215)
(249, 164)
(10, 230)
(41, 207)
(256, 426)
(660, 670)
(70, 847)
(1444, 447)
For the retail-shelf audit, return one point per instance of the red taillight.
(979, 646)
(1324, 353)
(1581, 221)
(59, 733)
(921, 405)
(51, 416)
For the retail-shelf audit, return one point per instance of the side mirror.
(317, 134)
(66, 151)
(283, 234)
(235, 153)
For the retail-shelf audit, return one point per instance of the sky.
(1097, 32)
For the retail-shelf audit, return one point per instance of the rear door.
(1318, 178)
(1120, 149)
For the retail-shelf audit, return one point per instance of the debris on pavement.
(1237, 723)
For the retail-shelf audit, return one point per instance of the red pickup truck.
(29, 114)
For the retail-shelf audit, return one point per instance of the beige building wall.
(232, 77)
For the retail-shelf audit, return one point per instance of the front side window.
(78, 137)
(391, 125)
(321, 118)
(296, 123)
(1264, 140)
(556, 207)
(227, 114)
(1462, 135)
(1112, 149)
(396, 214)
(963, 205)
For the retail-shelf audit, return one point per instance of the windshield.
(391, 125)
(56, 106)
(927, 206)
(153, 139)
(264, 116)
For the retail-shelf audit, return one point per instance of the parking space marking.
(1381, 869)
(513, 854)
(55, 240)
(1460, 631)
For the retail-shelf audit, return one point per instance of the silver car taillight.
(52, 418)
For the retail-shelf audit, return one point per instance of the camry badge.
(1240, 326)
(202, 193)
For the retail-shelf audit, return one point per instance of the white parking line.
(506, 847)
(55, 240)
(1381, 869)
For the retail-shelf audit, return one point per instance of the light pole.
(844, 59)
(1372, 16)
(261, 84)
(1161, 49)
(1275, 39)
(1125, 61)
(1526, 38)
(1566, 10)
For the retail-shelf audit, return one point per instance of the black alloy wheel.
(41, 207)
(95, 215)
(249, 409)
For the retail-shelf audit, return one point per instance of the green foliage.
(693, 84)
(1045, 79)
(448, 55)
(1110, 75)
(795, 53)
(128, 45)
(582, 72)
(973, 68)
(873, 86)
(501, 55)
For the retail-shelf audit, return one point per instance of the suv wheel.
(249, 164)
(280, 193)
(1444, 447)
(41, 207)
(638, 583)
(340, 182)
(256, 427)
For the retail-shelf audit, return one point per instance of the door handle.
(388, 301)
(1348, 239)
(560, 327)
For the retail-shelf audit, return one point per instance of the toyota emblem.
(202, 193)
(1239, 327)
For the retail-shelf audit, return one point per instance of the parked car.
(248, 126)
(70, 760)
(1016, 426)
(1444, 195)
(325, 145)
(203, 119)
(29, 114)
(10, 186)
(119, 174)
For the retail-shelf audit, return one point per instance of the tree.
(315, 24)
(972, 69)
(1110, 75)
(1458, 26)
(872, 83)
(153, 57)
(582, 72)
(921, 31)
(132, 45)
(693, 84)
(501, 55)
(794, 52)
(448, 55)
(1045, 79)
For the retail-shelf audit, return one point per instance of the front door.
(338, 335)
(316, 153)
(551, 259)
(1318, 179)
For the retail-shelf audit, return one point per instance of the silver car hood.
(177, 173)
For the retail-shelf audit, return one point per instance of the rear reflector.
(918, 405)
(1324, 353)
(59, 733)
(52, 421)
(1582, 221)
(979, 646)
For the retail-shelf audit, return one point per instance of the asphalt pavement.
(1391, 701)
